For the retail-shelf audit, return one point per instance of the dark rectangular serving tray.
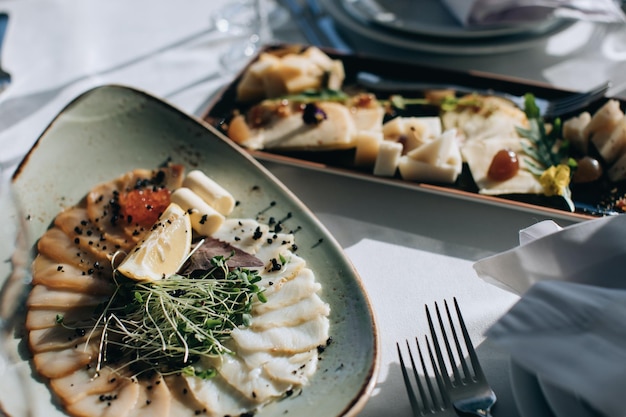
(592, 200)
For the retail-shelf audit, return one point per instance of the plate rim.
(426, 44)
(459, 32)
(367, 385)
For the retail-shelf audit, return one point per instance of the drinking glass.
(251, 20)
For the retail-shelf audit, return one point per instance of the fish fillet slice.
(117, 402)
(252, 383)
(245, 234)
(64, 276)
(43, 297)
(48, 317)
(56, 364)
(58, 338)
(288, 292)
(295, 339)
(58, 246)
(74, 221)
(291, 315)
(154, 399)
(183, 403)
(86, 382)
(218, 397)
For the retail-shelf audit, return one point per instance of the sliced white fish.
(245, 234)
(295, 369)
(291, 369)
(273, 279)
(117, 402)
(75, 223)
(154, 399)
(56, 364)
(288, 291)
(218, 397)
(64, 276)
(295, 339)
(307, 309)
(274, 245)
(184, 402)
(252, 383)
(58, 246)
(85, 382)
(59, 338)
(49, 317)
(43, 297)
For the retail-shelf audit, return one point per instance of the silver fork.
(469, 392)
(5, 77)
(547, 108)
(432, 400)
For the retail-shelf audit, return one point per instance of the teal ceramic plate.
(113, 129)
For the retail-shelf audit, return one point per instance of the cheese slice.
(479, 155)
(336, 131)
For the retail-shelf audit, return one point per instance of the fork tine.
(576, 98)
(478, 370)
(442, 364)
(576, 101)
(459, 350)
(445, 399)
(432, 400)
(471, 394)
(420, 387)
(407, 384)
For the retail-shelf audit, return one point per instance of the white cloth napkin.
(590, 252)
(569, 326)
(572, 336)
(500, 12)
(400, 281)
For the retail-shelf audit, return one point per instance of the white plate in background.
(358, 30)
(432, 18)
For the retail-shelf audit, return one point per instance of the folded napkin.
(569, 327)
(590, 252)
(507, 12)
(572, 336)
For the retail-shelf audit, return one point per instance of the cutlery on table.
(548, 108)
(5, 77)
(432, 399)
(468, 388)
(317, 27)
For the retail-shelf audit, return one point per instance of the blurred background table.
(58, 49)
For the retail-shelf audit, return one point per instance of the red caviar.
(144, 206)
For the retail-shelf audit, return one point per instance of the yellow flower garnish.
(555, 180)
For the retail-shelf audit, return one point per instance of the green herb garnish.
(396, 101)
(170, 324)
(547, 148)
(311, 96)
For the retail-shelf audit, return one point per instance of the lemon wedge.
(164, 249)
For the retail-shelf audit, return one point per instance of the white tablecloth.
(57, 49)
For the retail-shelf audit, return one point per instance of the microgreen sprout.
(170, 324)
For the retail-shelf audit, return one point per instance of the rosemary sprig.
(545, 147)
